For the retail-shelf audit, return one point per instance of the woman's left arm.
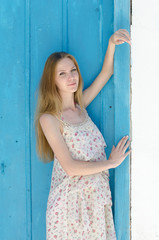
(107, 71)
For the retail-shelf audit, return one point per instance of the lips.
(71, 84)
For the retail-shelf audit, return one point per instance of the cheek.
(76, 75)
(61, 83)
(58, 84)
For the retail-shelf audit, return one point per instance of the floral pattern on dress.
(79, 207)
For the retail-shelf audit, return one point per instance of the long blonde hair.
(50, 101)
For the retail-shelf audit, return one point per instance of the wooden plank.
(12, 122)
(27, 123)
(46, 38)
(65, 25)
(122, 120)
(88, 40)
(107, 93)
(83, 43)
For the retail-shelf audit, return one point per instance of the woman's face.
(66, 75)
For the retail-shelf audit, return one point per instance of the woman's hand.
(118, 154)
(120, 36)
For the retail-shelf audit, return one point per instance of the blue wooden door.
(30, 32)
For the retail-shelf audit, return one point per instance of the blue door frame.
(33, 31)
(122, 122)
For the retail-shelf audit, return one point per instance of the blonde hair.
(50, 101)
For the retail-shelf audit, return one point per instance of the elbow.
(67, 171)
(70, 173)
(71, 168)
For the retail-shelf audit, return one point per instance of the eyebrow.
(64, 70)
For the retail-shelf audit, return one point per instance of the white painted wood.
(145, 119)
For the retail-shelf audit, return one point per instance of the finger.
(121, 41)
(126, 33)
(125, 40)
(113, 147)
(126, 146)
(123, 144)
(128, 152)
(120, 142)
(124, 37)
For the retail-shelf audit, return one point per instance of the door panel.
(31, 31)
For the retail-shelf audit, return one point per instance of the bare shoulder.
(47, 119)
(51, 129)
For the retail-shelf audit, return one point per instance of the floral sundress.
(79, 207)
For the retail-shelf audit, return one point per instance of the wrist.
(111, 42)
(111, 162)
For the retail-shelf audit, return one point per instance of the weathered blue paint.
(122, 121)
(13, 117)
(33, 31)
(27, 78)
(46, 37)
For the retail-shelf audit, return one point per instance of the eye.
(62, 73)
(74, 69)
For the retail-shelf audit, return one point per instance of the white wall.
(145, 119)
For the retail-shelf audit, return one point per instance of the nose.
(70, 76)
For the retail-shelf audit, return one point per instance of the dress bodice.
(84, 141)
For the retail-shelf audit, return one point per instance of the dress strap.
(62, 120)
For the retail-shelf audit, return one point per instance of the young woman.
(79, 202)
